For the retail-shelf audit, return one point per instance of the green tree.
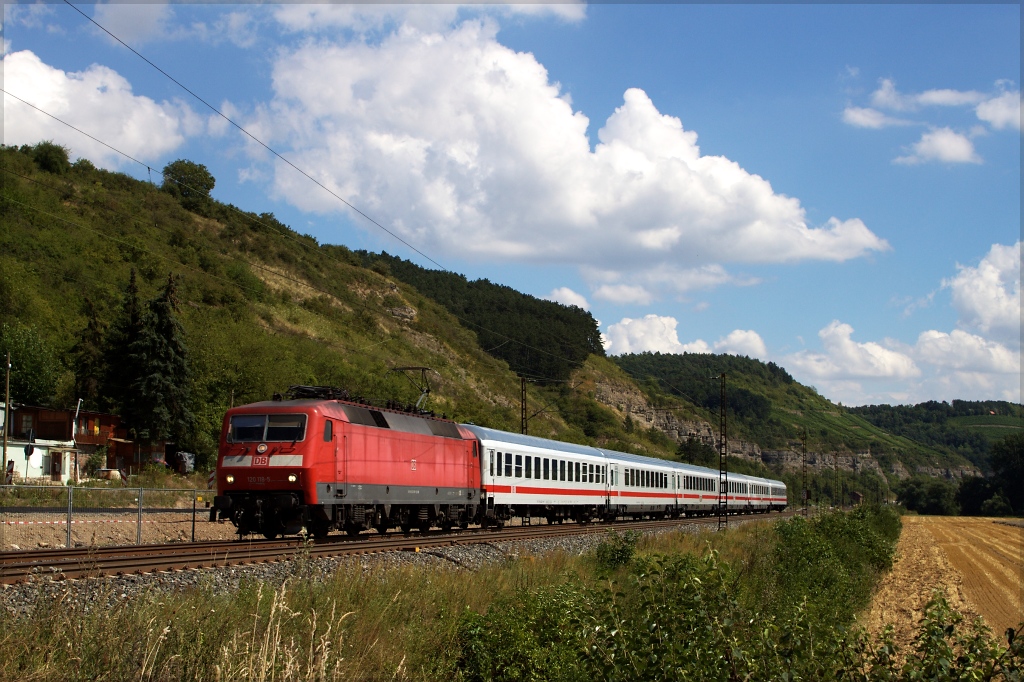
(159, 408)
(51, 157)
(1007, 461)
(927, 495)
(89, 359)
(34, 366)
(694, 451)
(124, 332)
(190, 183)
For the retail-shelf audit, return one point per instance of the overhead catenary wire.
(254, 138)
(336, 344)
(294, 238)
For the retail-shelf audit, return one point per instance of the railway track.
(85, 562)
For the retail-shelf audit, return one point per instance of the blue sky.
(835, 188)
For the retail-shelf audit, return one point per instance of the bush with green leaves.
(616, 550)
(683, 617)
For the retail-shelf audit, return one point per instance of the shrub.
(616, 550)
(51, 157)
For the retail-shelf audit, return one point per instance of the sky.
(835, 188)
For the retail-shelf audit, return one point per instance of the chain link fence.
(70, 516)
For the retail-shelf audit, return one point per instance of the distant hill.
(540, 339)
(767, 407)
(964, 427)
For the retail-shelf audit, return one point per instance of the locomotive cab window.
(247, 428)
(328, 430)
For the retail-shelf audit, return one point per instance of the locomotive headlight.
(292, 478)
(229, 479)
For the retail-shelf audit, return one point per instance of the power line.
(254, 138)
(462, 320)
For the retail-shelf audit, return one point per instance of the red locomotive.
(321, 463)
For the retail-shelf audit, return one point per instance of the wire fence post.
(194, 494)
(138, 527)
(71, 495)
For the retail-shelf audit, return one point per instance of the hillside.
(766, 407)
(261, 306)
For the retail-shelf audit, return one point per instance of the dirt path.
(979, 564)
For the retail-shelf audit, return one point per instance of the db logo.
(260, 461)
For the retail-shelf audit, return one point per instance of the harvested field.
(990, 559)
(978, 563)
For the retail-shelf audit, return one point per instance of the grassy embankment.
(752, 603)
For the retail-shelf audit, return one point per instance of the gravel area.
(104, 592)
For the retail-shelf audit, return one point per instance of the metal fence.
(54, 516)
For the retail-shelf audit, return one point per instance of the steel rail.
(83, 562)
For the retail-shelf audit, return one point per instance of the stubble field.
(978, 562)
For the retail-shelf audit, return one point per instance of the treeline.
(693, 377)
(540, 339)
(1000, 494)
(932, 423)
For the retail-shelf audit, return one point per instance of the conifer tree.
(123, 333)
(89, 358)
(158, 405)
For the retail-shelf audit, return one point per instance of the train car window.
(529, 466)
(490, 456)
(508, 464)
(604, 473)
(246, 427)
(519, 466)
(561, 469)
(328, 430)
(577, 467)
(547, 464)
(285, 427)
(592, 475)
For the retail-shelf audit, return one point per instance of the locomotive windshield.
(246, 428)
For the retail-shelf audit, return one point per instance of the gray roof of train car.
(485, 433)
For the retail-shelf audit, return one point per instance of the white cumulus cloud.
(866, 117)
(97, 100)
(458, 142)
(743, 342)
(658, 334)
(888, 97)
(987, 297)
(941, 144)
(1002, 111)
(844, 358)
(964, 351)
(567, 296)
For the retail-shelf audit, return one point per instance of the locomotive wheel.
(406, 528)
(424, 527)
